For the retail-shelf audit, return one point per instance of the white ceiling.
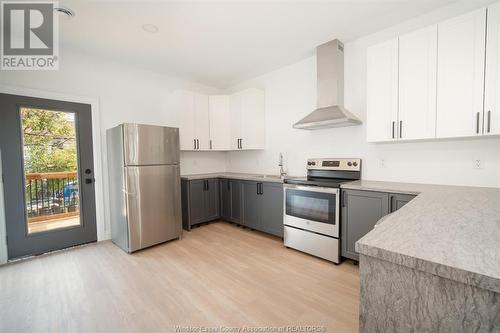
(224, 42)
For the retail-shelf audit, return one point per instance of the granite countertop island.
(449, 237)
(235, 175)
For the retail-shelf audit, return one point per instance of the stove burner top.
(333, 183)
(329, 172)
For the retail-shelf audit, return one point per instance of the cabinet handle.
(208, 185)
(194, 142)
(210, 144)
(400, 129)
(477, 122)
(489, 121)
(241, 143)
(393, 124)
(228, 185)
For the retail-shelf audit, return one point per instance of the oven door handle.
(312, 188)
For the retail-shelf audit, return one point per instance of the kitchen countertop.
(234, 175)
(449, 231)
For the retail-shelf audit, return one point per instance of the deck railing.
(51, 195)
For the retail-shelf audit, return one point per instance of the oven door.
(312, 208)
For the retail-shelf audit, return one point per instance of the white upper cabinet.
(236, 120)
(220, 122)
(194, 120)
(183, 101)
(492, 93)
(202, 124)
(460, 77)
(247, 109)
(417, 84)
(382, 91)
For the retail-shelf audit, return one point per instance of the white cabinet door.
(248, 128)
(461, 52)
(201, 121)
(417, 84)
(253, 122)
(492, 93)
(235, 108)
(382, 91)
(220, 122)
(183, 102)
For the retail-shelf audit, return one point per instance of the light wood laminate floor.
(218, 274)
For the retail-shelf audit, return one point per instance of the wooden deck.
(52, 222)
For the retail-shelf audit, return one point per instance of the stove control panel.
(341, 164)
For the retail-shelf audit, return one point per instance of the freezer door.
(150, 145)
(153, 204)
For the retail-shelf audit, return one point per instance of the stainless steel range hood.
(330, 111)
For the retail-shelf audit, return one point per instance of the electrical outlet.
(382, 163)
(478, 164)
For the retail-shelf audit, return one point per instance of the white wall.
(124, 95)
(291, 94)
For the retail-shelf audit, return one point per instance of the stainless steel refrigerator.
(144, 185)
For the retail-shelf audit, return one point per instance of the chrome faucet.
(280, 164)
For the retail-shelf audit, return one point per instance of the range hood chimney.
(330, 111)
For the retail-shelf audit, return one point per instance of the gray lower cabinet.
(272, 209)
(225, 199)
(397, 200)
(212, 200)
(236, 200)
(200, 201)
(361, 210)
(256, 205)
(230, 198)
(251, 205)
(263, 207)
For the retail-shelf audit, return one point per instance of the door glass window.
(315, 206)
(50, 169)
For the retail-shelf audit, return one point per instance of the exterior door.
(48, 175)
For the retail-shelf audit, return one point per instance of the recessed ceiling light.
(65, 11)
(151, 28)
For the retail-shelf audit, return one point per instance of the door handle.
(489, 121)
(477, 123)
